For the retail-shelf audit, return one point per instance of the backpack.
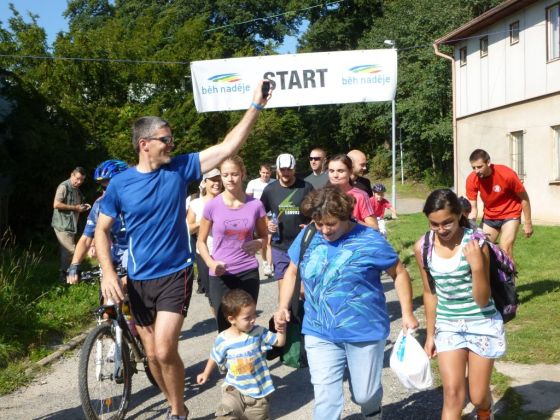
(293, 352)
(502, 274)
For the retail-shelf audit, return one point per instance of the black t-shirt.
(285, 202)
(364, 184)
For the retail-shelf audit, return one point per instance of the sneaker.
(268, 269)
(169, 416)
(200, 290)
(484, 414)
(378, 415)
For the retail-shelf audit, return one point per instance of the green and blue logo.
(366, 69)
(225, 78)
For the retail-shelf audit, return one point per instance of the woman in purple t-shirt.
(233, 218)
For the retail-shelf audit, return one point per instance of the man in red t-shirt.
(504, 199)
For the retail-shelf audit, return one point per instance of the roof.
(486, 19)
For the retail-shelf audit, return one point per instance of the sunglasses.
(163, 139)
(313, 158)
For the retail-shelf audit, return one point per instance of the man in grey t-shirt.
(317, 161)
(68, 203)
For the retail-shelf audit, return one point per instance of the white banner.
(298, 79)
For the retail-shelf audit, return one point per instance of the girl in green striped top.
(464, 329)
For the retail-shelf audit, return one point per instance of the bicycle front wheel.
(104, 388)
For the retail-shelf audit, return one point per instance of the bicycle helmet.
(108, 169)
(379, 188)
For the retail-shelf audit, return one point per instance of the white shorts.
(483, 336)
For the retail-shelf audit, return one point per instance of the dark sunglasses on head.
(163, 139)
(311, 158)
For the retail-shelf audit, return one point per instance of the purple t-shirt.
(230, 229)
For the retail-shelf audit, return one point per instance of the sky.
(51, 19)
(49, 11)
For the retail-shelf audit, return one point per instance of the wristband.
(257, 106)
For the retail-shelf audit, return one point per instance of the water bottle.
(275, 235)
(128, 317)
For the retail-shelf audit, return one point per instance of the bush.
(434, 179)
(380, 164)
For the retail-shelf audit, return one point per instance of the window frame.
(555, 153)
(516, 153)
(549, 36)
(484, 43)
(463, 56)
(514, 29)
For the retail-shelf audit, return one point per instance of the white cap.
(211, 173)
(285, 160)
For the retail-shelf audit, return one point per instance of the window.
(516, 153)
(553, 31)
(514, 33)
(484, 46)
(556, 153)
(463, 56)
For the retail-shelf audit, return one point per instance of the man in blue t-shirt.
(151, 197)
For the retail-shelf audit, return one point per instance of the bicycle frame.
(120, 326)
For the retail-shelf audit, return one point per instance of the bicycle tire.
(106, 398)
(146, 365)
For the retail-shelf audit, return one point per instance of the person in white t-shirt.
(255, 189)
(256, 186)
(210, 187)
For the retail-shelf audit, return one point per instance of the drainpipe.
(454, 121)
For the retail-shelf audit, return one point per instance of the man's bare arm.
(474, 210)
(210, 158)
(526, 208)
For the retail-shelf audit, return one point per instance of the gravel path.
(54, 394)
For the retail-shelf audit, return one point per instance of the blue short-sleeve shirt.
(119, 244)
(344, 297)
(153, 208)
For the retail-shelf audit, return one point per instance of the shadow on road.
(293, 391)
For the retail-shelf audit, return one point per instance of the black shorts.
(170, 294)
(219, 286)
(498, 223)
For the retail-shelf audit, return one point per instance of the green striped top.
(454, 288)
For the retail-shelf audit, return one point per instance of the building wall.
(509, 73)
(490, 131)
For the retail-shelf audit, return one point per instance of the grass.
(533, 336)
(409, 189)
(36, 312)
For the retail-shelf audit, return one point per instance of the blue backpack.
(502, 274)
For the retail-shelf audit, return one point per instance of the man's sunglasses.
(313, 158)
(163, 139)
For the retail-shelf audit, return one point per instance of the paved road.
(54, 395)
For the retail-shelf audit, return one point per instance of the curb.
(72, 344)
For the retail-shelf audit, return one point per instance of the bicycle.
(108, 359)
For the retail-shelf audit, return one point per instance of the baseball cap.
(285, 160)
(211, 173)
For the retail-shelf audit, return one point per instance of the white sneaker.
(267, 269)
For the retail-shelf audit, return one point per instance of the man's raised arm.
(210, 158)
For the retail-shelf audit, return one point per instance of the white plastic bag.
(410, 363)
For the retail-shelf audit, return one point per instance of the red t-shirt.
(380, 206)
(363, 208)
(498, 192)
